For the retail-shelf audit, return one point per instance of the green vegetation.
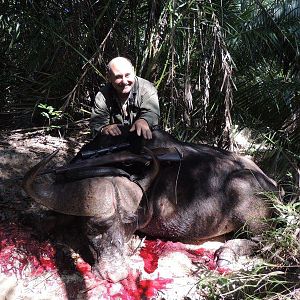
(51, 115)
(276, 276)
(218, 65)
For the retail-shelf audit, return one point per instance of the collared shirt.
(142, 103)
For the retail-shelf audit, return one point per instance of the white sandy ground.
(175, 267)
(50, 285)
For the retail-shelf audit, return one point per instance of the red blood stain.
(21, 255)
(155, 249)
(136, 288)
(83, 267)
(149, 288)
(151, 253)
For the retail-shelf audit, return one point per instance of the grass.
(264, 281)
(275, 276)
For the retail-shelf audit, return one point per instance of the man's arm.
(149, 111)
(100, 116)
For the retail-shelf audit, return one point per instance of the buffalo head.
(104, 200)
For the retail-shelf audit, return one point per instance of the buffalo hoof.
(230, 252)
(225, 257)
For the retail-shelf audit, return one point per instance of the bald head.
(119, 61)
(121, 75)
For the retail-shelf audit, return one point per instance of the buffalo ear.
(144, 213)
(139, 223)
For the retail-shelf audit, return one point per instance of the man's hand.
(112, 129)
(141, 127)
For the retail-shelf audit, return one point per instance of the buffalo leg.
(233, 249)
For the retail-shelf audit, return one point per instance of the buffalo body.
(206, 193)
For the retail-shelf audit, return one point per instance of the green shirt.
(142, 103)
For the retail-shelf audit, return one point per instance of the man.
(125, 100)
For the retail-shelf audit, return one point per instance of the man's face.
(122, 77)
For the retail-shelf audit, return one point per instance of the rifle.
(162, 154)
(119, 147)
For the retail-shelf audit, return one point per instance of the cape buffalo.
(198, 193)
